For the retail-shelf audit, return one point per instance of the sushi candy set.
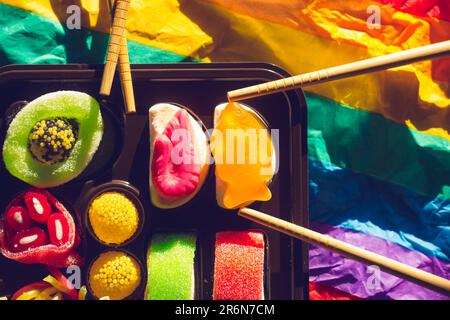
(114, 218)
(169, 233)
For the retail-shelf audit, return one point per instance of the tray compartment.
(199, 87)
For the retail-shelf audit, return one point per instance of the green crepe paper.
(368, 143)
(47, 41)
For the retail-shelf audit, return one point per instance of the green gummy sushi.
(78, 108)
(170, 264)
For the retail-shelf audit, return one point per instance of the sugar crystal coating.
(170, 263)
(239, 266)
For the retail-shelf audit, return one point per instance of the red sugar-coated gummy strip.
(239, 266)
(18, 218)
(37, 206)
(69, 288)
(58, 229)
(30, 238)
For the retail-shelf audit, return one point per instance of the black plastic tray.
(200, 87)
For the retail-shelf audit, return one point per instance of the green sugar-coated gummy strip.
(170, 264)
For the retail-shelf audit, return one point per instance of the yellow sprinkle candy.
(107, 271)
(113, 217)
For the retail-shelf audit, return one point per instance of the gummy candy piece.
(18, 218)
(242, 170)
(48, 254)
(37, 206)
(30, 238)
(170, 178)
(239, 266)
(58, 229)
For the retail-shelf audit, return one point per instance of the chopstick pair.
(118, 50)
(431, 51)
(391, 266)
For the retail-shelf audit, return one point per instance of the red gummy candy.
(30, 238)
(37, 206)
(171, 179)
(239, 266)
(58, 229)
(48, 254)
(18, 218)
(69, 288)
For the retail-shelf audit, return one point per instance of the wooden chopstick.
(391, 266)
(126, 81)
(115, 45)
(343, 71)
(118, 50)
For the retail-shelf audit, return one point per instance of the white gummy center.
(28, 240)
(18, 217)
(58, 229)
(38, 206)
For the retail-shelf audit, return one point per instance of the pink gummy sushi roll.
(239, 266)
